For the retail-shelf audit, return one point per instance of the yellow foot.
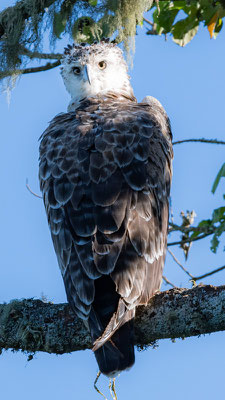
(96, 380)
(112, 388)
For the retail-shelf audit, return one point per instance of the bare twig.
(179, 263)
(186, 229)
(197, 278)
(148, 22)
(205, 232)
(31, 191)
(158, 8)
(189, 240)
(202, 140)
(45, 67)
(168, 282)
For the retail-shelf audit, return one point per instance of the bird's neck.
(123, 95)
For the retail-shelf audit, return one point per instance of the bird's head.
(90, 70)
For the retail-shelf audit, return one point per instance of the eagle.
(105, 174)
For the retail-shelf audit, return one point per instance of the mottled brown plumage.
(105, 174)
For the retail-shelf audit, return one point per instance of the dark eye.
(76, 70)
(102, 64)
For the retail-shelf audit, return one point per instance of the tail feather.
(118, 318)
(117, 354)
(112, 331)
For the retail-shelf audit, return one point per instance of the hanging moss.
(25, 24)
(19, 26)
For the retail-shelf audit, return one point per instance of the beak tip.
(87, 74)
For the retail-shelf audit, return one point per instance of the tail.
(117, 352)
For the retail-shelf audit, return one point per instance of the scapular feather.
(86, 258)
(44, 170)
(84, 286)
(105, 194)
(63, 190)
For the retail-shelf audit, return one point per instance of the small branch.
(180, 265)
(32, 325)
(186, 229)
(36, 54)
(148, 22)
(205, 232)
(45, 67)
(168, 282)
(212, 141)
(198, 278)
(31, 191)
(189, 240)
(152, 32)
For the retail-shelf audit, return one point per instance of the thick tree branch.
(32, 325)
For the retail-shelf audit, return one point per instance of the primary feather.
(105, 173)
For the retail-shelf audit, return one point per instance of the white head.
(90, 70)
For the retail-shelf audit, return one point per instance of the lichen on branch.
(32, 325)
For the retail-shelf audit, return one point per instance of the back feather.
(105, 173)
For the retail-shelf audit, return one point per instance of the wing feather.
(83, 285)
(105, 172)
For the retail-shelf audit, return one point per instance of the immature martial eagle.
(105, 174)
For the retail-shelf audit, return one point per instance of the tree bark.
(33, 325)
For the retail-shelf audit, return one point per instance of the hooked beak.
(87, 73)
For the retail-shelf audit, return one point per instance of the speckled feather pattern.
(92, 80)
(105, 174)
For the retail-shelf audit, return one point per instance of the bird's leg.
(96, 380)
(112, 389)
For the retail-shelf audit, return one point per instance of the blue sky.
(189, 82)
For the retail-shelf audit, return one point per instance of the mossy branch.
(46, 67)
(36, 54)
(32, 325)
(22, 10)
